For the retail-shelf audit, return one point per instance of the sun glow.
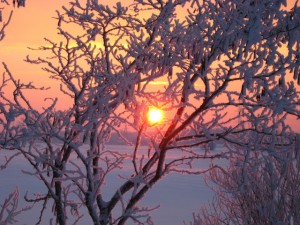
(155, 115)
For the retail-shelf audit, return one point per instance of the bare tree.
(227, 70)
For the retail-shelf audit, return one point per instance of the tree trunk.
(59, 208)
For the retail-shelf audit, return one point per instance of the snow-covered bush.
(257, 187)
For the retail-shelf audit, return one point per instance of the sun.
(155, 115)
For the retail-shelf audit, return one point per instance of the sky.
(28, 28)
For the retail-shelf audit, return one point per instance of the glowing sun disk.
(155, 116)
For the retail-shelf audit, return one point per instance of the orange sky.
(28, 28)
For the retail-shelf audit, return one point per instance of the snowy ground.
(177, 195)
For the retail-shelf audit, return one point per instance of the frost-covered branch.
(5, 21)
(9, 209)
